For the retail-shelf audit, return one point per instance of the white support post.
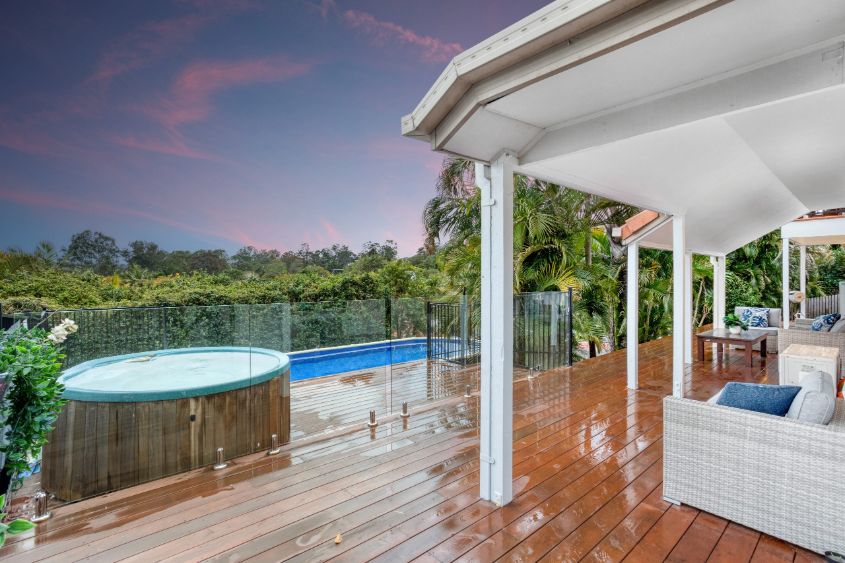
(718, 263)
(723, 290)
(678, 305)
(803, 278)
(497, 330)
(785, 281)
(633, 314)
(688, 307)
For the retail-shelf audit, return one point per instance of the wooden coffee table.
(722, 336)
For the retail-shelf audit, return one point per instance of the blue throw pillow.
(824, 322)
(758, 397)
(755, 317)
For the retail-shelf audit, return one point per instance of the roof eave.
(549, 26)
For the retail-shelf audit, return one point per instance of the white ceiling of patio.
(735, 118)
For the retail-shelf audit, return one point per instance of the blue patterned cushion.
(755, 317)
(759, 397)
(824, 322)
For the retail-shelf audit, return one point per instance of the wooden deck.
(331, 403)
(587, 482)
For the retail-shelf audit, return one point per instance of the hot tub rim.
(95, 396)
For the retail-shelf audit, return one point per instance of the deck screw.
(372, 423)
(405, 413)
(41, 512)
(221, 464)
(468, 392)
(274, 445)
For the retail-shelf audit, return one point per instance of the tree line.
(100, 253)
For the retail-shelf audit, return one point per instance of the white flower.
(58, 334)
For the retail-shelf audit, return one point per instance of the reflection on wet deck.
(334, 402)
(587, 482)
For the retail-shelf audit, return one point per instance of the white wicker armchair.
(773, 474)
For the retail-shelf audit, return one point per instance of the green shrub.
(33, 365)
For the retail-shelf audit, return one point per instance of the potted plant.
(734, 324)
(32, 361)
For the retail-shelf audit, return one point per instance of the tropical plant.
(561, 240)
(32, 363)
(17, 526)
(732, 320)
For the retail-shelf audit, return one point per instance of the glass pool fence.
(153, 392)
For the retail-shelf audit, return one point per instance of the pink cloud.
(190, 99)
(331, 230)
(173, 145)
(148, 43)
(153, 40)
(381, 32)
(42, 200)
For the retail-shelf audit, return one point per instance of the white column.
(633, 314)
(688, 307)
(802, 287)
(718, 291)
(497, 331)
(678, 305)
(723, 289)
(785, 281)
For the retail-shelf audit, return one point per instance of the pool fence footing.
(274, 445)
(372, 423)
(221, 463)
(41, 512)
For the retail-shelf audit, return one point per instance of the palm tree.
(45, 252)
(557, 233)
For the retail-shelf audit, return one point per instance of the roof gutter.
(548, 41)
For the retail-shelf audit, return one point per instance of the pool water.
(329, 361)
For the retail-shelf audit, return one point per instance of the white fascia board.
(798, 74)
(593, 42)
(548, 41)
(527, 37)
(820, 230)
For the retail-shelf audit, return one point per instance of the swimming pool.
(329, 361)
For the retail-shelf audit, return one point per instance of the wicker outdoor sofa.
(777, 475)
(801, 334)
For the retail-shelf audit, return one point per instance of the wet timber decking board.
(587, 482)
(333, 402)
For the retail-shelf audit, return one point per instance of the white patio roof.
(730, 114)
(820, 230)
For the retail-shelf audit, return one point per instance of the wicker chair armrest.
(773, 474)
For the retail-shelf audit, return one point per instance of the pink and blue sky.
(220, 124)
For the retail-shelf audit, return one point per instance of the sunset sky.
(219, 124)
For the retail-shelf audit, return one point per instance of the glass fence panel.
(339, 365)
(169, 389)
(150, 393)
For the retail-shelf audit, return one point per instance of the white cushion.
(816, 402)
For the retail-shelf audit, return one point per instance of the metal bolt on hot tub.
(221, 464)
(41, 512)
(372, 423)
(468, 392)
(405, 412)
(274, 445)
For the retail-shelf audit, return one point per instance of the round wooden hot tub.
(139, 417)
